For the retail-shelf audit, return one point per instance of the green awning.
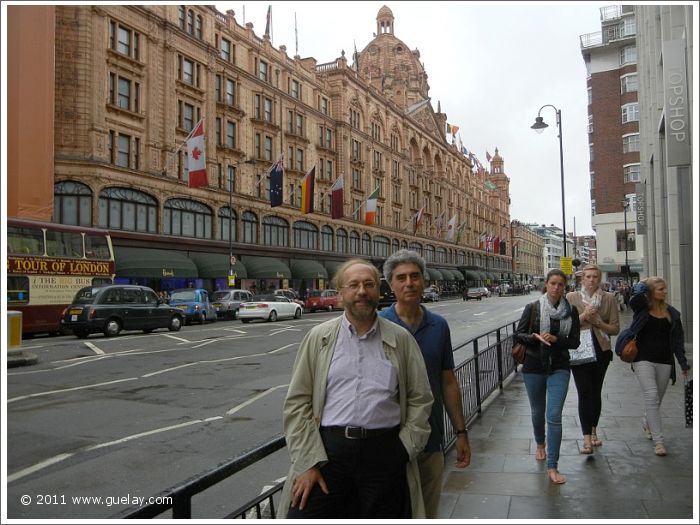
(458, 275)
(446, 274)
(152, 263)
(472, 275)
(332, 267)
(266, 268)
(216, 265)
(483, 276)
(306, 269)
(434, 274)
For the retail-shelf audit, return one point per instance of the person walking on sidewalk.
(659, 337)
(356, 412)
(600, 315)
(404, 271)
(548, 332)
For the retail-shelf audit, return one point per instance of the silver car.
(227, 302)
(269, 307)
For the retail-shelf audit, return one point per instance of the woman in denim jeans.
(548, 333)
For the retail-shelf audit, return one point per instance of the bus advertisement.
(47, 264)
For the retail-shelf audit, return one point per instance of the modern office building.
(613, 129)
(132, 82)
(665, 66)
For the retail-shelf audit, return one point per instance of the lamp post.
(230, 215)
(626, 269)
(539, 126)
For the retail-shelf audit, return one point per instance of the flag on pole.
(482, 240)
(196, 161)
(496, 245)
(417, 219)
(451, 228)
(269, 20)
(452, 129)
(337, 199)
(488, 156)
(307, 191)
(276, 173)
(371, 208)
(460, 230)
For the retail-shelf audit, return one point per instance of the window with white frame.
(590, 96)
(590, 123)
(630, 143)
(263, 71)
(225, 51)
(124, 40)
(630, 112)
(628, 55)
(628, 83)
(631, 172)
(631, 199)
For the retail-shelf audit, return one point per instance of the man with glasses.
(356, 413)
(404, 271)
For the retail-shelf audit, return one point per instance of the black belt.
(359, 432)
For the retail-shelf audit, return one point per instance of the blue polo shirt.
(433, 338)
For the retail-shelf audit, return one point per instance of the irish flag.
(337, 199)
(196, 162)
(307, 191)
(371, 207)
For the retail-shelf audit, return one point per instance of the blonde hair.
(594, 267)
(652, 284)
(339, 277)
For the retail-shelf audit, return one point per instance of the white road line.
(518, 310)
(176, 338)
(460, 311)
(235, 330)
(39, 466)
(282, 348)
(254, 399)
(205, 343)
(94, 348)
(142, 434)
(38, 394)
(481, 313)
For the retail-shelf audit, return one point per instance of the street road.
(127, 417)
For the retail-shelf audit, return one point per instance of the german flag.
(307, 191)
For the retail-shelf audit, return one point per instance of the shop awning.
(306, 269)
(472, 275)
(459, 276)
(152, 263)
(446, 274)
(216, 265)
(434, 274)
(483, 276)
(265, 268)
(332, 267)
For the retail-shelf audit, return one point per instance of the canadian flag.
(196, 159)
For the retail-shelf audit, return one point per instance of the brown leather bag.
(629, 352)
(518, 349)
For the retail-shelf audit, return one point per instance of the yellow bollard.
(14, 330)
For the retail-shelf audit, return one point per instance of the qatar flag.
(337, 199)
(196, 162)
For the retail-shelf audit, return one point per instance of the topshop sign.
(676, 103)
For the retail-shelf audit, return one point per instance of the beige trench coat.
(305, 400)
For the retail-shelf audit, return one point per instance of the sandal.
(595, 441)
(555, 477)
(586, 449)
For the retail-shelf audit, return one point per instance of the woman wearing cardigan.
(600, 315)
(659, 337)
(548, 332)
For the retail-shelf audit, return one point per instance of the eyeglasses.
(355, 286)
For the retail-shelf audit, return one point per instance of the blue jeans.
(547, 393)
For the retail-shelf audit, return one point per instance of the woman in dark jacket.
(548, 333)
(659, 337)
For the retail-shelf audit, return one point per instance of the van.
(194, 303)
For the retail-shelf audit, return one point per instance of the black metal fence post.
(477, 382)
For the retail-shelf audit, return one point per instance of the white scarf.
(594, 300)
(562, 312)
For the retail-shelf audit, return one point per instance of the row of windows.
(630, 113)
(131, 210)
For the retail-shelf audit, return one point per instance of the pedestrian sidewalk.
(622, 479)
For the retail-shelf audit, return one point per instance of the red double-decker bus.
(47, 264)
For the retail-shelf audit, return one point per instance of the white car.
(269, 307)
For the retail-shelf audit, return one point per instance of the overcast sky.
(491, 66)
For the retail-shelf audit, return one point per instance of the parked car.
(485, 292)
(269, 307)
(112, 308)
(472, 293)
(290, 294)
(430, 294)
(322, 300)
(194, 303)
(226, 302)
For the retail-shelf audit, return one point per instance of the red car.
(322, 300)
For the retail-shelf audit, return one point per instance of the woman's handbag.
(629, 352)
(518, 349)
(585, 353)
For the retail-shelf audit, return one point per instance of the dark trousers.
(366, 478)
(589, 379)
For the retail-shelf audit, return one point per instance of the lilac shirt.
(362, 387)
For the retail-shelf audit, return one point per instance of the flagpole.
(201, 120)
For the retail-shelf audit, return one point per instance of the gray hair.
(403, 256)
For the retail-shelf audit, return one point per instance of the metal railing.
(479, 376)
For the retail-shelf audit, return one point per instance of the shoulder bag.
(518, 349)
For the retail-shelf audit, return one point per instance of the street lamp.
(626, 270)
(230, 215)
(539, 126)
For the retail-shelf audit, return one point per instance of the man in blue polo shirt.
(404, 271)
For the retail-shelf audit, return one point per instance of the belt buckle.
(349, 430)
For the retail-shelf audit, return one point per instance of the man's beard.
(363, 310)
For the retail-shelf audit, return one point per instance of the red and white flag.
(337, 199)
(196, 159)
(418, 219)
(451, 224)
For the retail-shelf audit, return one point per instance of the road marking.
(481, 313)
(281, 329)
(142, 434)
(94, 348)
(517, 310)
(38, 394)
(235, 330)
(254, 399)
(39, 466)
(176, 338)
(282, 348)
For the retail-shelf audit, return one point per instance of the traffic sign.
(565, 263)
(232, 280)
(233, 259)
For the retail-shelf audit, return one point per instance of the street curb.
(21, 358)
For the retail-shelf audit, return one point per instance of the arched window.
(275, 231)
(198, 27)
(461, 258)
(354, 243)
(187, 218)
(366, 244)
(380, 246)
(228, 224)
(341, 241)
(182, 14)
(404, 245)
(250, 228)
(429, 253)
(190, 22)
(394, 245)
(441, 255)
(72, 203)
(326, 238)
(305, 235)
(416, 247)
(129, 210)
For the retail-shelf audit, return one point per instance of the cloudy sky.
(491, 66)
